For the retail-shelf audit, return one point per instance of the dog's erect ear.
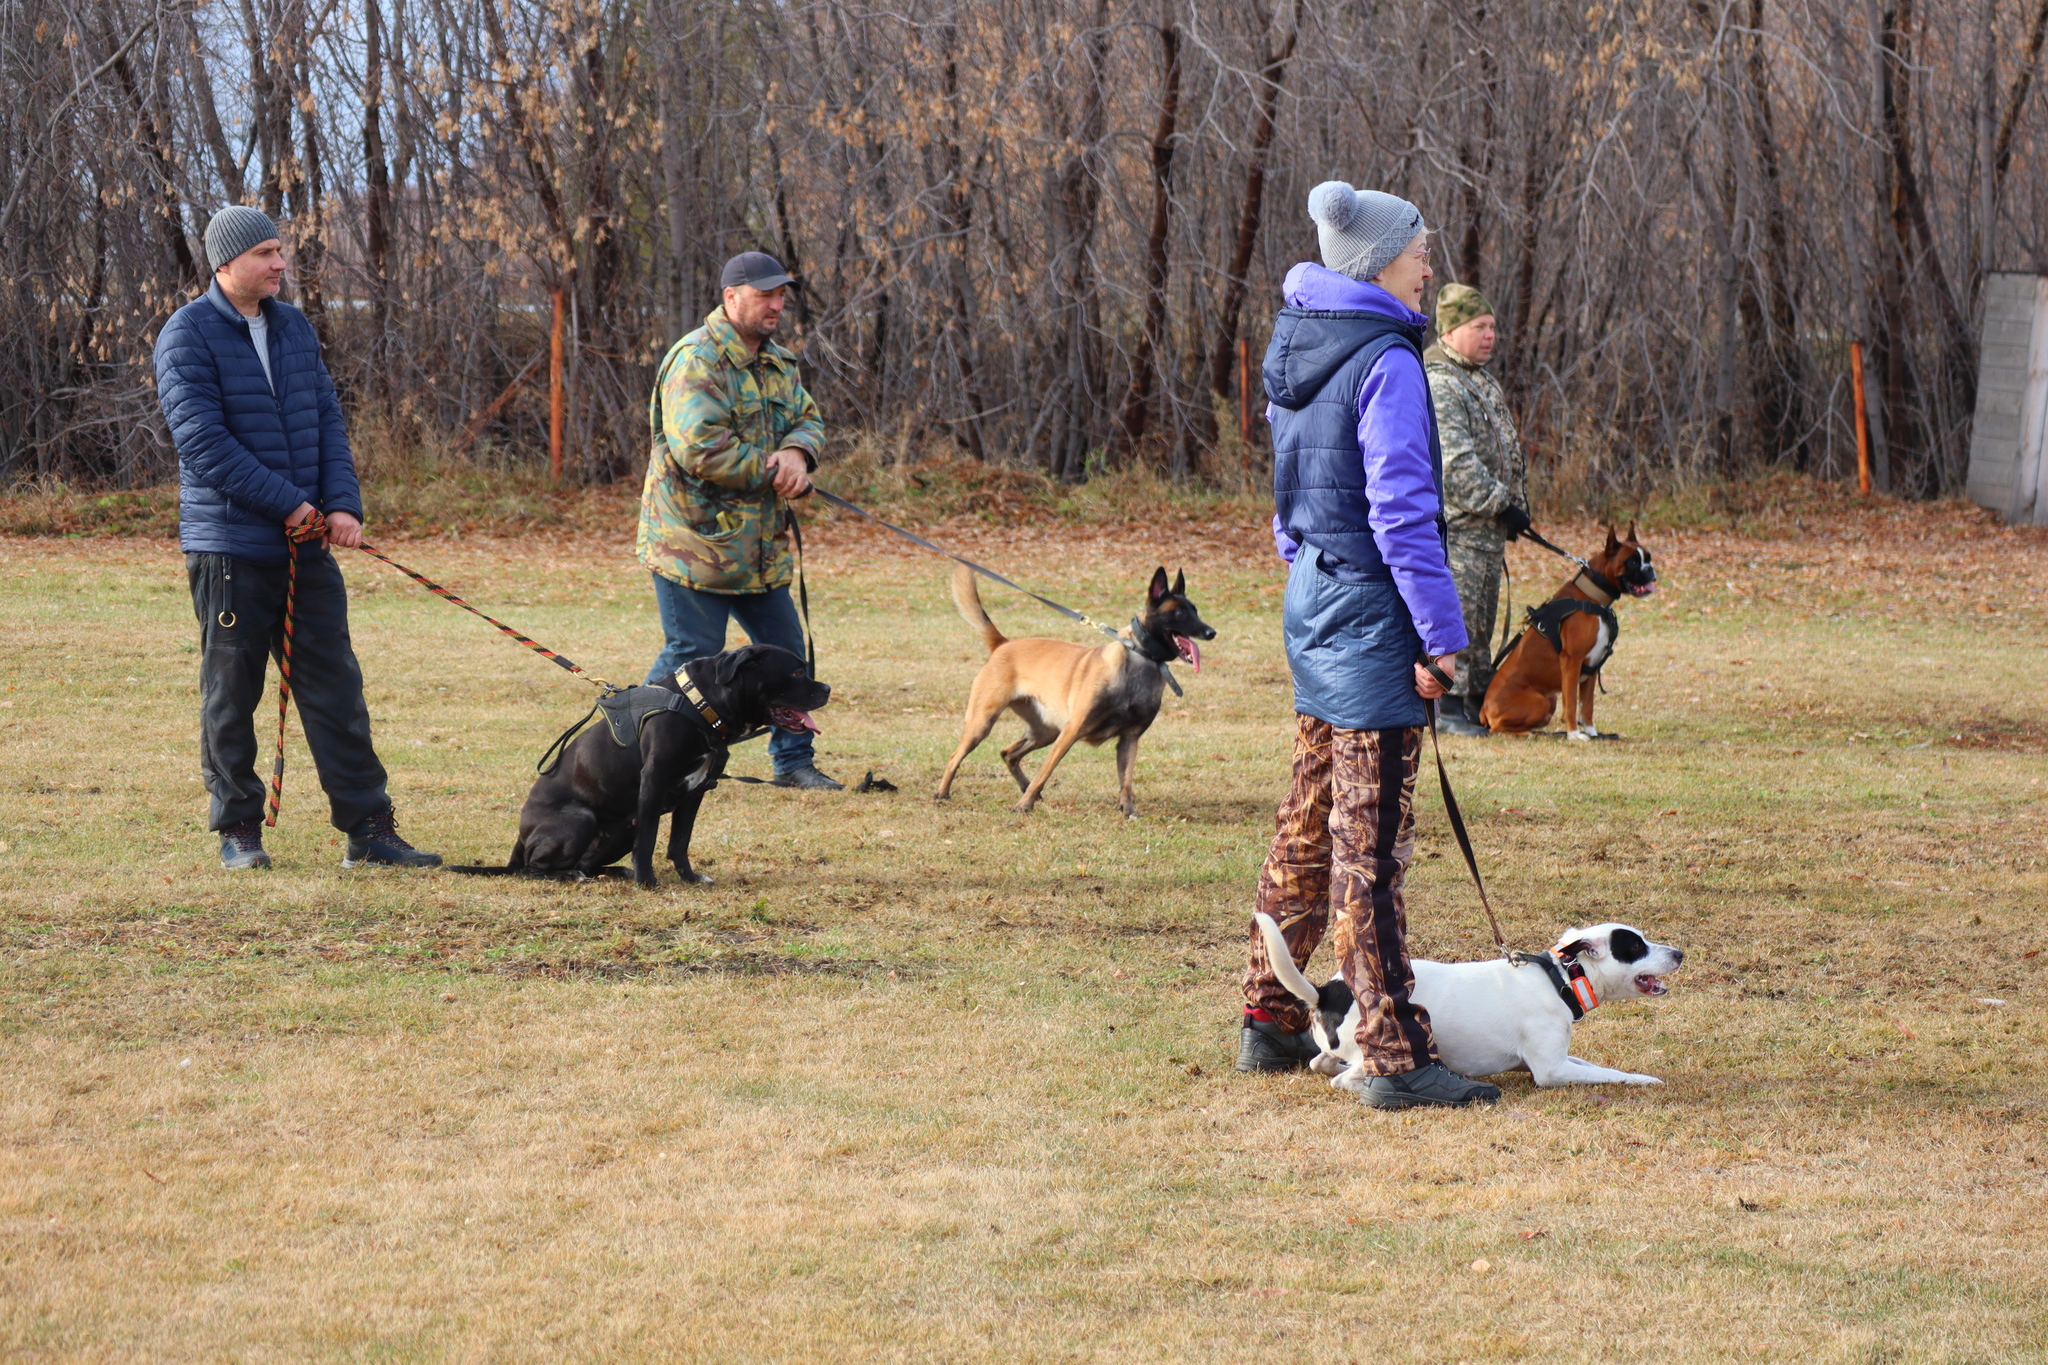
(1180, 583)
(1627, 945)
(1631, 533)
(1612, 543)
(1158, 589)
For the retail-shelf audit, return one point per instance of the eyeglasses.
(1420, 253)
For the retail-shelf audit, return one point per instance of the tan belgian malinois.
(1066, 693)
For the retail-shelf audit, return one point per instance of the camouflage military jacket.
(1484, 468)
(710, 518)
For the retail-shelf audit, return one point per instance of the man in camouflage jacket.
(1485, 484)
(735, 437)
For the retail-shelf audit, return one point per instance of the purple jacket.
(1395, 426)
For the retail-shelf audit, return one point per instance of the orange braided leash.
(447, 596)
(311, 529)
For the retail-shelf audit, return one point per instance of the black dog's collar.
(705, 710)
(1567, 978)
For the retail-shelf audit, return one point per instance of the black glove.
(1514, 520)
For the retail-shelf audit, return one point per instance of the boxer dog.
(1566, 643)
(1495, 1016)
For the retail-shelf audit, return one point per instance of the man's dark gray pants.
(240, 607)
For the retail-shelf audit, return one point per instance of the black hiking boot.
(1455, 716)
(1434, 1085)
(807, 778)
(1265, 1046)
(376, 840)
(241, 846)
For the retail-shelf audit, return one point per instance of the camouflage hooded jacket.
(710, 518)
(1484, 468)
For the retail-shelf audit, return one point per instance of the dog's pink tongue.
(1190, 651)
(789, 718)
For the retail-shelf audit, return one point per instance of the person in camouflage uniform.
(735, 436)
(1485, 485)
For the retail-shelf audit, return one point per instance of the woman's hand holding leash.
(1433, 679)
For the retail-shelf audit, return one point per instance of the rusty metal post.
(555, 391)
(1862, 419)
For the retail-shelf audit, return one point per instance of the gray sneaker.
(807, 778)
(241, 846)
(1266, 1046)
(1434, 1085)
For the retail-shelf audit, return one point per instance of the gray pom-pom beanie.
(234, 230)
(1361, 231)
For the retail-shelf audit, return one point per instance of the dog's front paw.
(691, 877)
(1580, 735)
(647, 883)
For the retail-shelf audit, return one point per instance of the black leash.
(1531, 536)
(1457, 818)
(983, 570)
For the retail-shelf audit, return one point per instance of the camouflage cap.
(1458, 304)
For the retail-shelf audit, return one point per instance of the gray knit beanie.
(1361, 231)
(234, 230)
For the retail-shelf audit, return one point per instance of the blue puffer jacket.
(247, 456)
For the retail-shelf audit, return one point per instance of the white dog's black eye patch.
(1627, 946)
(1333, 1002)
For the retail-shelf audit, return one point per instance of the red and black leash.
(315, 528)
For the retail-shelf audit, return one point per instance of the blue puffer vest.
(1314, 370)
(248, 456)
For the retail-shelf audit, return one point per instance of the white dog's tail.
(1281, 959)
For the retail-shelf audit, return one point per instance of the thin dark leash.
(985, 572)
(1567, 977)
(1457, 817)
(981, 569)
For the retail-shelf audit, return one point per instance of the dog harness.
(1548, 618)
(1567, 978)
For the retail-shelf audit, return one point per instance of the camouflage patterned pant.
(1476, 567)
(1344, 837)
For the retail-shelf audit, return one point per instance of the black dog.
(658, 751)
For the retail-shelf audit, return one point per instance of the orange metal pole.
(555, 391)
(1244, 392)
(1862, 419)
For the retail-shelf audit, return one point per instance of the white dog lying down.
(1495, 1016)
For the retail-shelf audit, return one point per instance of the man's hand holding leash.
(789, 470)
(1433, 680)
(343, 529)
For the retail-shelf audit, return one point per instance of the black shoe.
(376, 841)
(807, 778)
(1268, 1047)
(1434, 1085)
(1455, 717)
(241, 846)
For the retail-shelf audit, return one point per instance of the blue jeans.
(694, 624)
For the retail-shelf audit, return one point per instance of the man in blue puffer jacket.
(261, 447)
(1358, 483)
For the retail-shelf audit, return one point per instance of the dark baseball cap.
(757, 268)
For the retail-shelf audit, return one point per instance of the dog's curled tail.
(968, 599)
(1282, 961)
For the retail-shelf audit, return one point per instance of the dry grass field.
(936, 1083)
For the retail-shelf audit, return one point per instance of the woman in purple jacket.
(1357, 483)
